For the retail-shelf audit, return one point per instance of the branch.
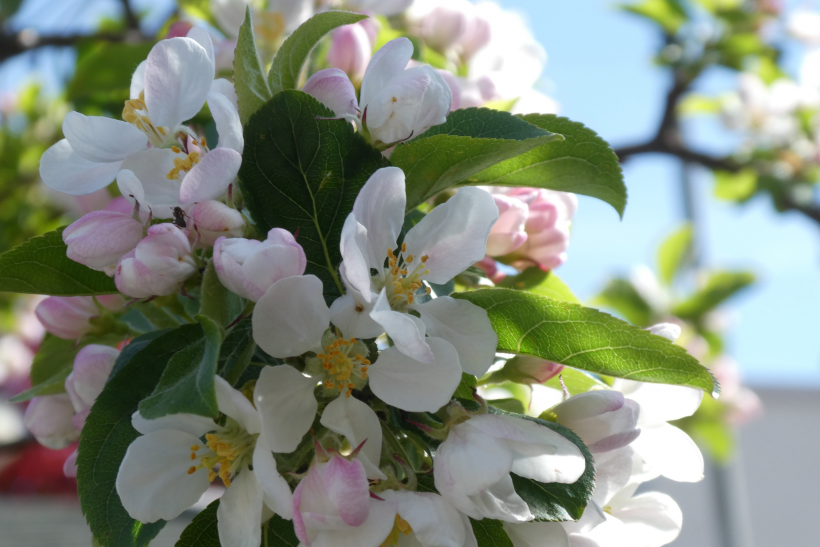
(132, 22)
(12, 44)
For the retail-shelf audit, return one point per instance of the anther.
(404, 247)
(424, 258)
(191, 470)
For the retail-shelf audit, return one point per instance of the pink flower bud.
(476, 35)
(92, 367)
(179, 29)
(507, 234)
(49, 420)
(99, 239)
(445, 24)
(350, 50)
(249, 267)
(532, 370)
(604, 419)
(67, 317)
(332, 88)
(70, 465)
(214, 219)
(159, 265)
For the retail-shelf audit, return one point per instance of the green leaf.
(251, 86)
(669, 14)
(135, 346)
(490, 533)
(719, 287)
(576, 381)
(40, 266)
(203, 530)
(673, 253)
(470, 141)
(738, 186)
(553, 501)
(537, 281)
(236, 351)
(291, 57)
(583, 164)
(107, 434)
(218, 303)
(624, 298)
(303, 173)
(280, 533)
(586, 339)
(187, 385)
(465, 388)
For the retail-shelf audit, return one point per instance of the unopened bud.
(67, 317)
(49, 420)
(92, 367)
(158, 266)
(350, 50)
(214, 219)
(604, 419)
(99, 239)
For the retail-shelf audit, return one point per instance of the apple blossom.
(99, 239)
(49, 419)
(168, 468)
(472, 466)
(67, 317)
(249, 267)
(603, 419)
(508, 233)
(159, 264)
(440, 24)
(427, 520)
(350, 50)
(92, 367)
(333, 89)
(443, 244)
(213, 219)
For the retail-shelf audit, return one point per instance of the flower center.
(403, 283)
(230, 448)
(344, 366)
(183, 165)
(400, 527)
(136, 113)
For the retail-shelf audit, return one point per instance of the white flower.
(444, 243)
(425, 519)
(168, 88)
(472, 467)
(168, 468)
(603, 419)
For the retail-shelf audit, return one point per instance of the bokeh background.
(603, 70)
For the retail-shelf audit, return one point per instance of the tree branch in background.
(132, 22)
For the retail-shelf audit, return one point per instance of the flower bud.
(445, 25)
(92, 367)
(67, 317)
(249, 267)
(99, 239)
(159, 265)
(214, 219)
(350, 50)
(604, 419)
(179, 29)
(524, 369)
(49, 420)
(332, 88)
(476, 35)
(507, 234)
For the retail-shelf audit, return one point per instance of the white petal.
(137, 81)
(130, 186)
(291, 317)
(387, 63)
(100, 139)
(612, 473)
(537, 534)
(354, 249)
(286, 404)
(661, 402)
(434, 520)
(403, 330)
(201, 37)
(413, 385)
(353, 318)
(64, 170)
(151, 167)
(464, 325)
(670, 331)
(234, 404)
(332, 88)
(153, 482)
(651, 519)
(211, 176)
(189, 423)
(178, 76)
(358, 423)
(671, 452)
(228, 126)
(379, 207)
(373, 532)
(226, 88)
(502, 502)
(239, 515)
(453, 235)
(278, 496)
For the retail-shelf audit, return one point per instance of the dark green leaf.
(718, 288)
(203, 530)
(135, 346)
(490, 533)
(537, 281)
(554, 501)
(280, 533)
(621, 296)
(236, 351)
(187, 385)
(40, 266)
(466, 387)
(471, 140)
(251, 87)
(587, 339)
(107, 434)
(303, 173)
(217, 302)
(583, 164)
(673, 253)
(291, 57)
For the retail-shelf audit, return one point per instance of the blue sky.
(600, 71)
